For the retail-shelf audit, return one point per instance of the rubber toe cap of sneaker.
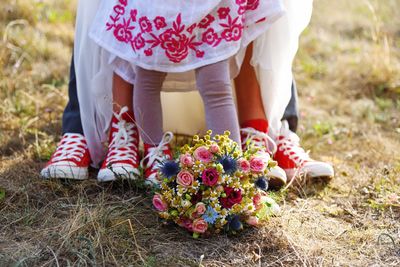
(64, 170)
(316, 169)
(118, 172)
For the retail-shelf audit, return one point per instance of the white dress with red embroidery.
(178, 36)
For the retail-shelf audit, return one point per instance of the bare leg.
(248, 93)
(122, 94)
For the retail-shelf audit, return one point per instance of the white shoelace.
(259, 139)
(156, 154)
(289, 143)
(122, 138)
(71, 147)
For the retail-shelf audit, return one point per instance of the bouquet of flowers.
(212, 186)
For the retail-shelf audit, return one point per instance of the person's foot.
(122, 160)
(252, 137)
(295, 161)
(153, 156)
(70, 160)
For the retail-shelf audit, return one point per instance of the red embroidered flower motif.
(148, 52)
(210, 37)
(133, 14)
(233, 31)
(252, 4)
(160, 23)
(223, 12)
(206, 22)
(242, 6)
(242, 10)
(191, 28)
(145, 24)
(175, 43)
(124, 2)
(199, 53)
(123, 32)
(139, 42)
(120, 10)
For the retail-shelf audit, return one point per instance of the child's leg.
(122, 94)
(214, 84)
(147, 102)
(122, 160)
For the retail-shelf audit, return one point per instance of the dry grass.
(348, 72)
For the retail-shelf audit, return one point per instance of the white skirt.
(183, 111)
(178, 36)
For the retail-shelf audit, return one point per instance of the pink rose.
(202, 154)
(200, 226)
(200, 208)
(257, 201)
(186, 160)
(257, 164)
(185, 178)
(253, 221)
(244, 165)
(214, 148)
(159, 203)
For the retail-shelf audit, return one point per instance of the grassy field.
(348, 72)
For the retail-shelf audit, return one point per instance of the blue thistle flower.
(235, 224)
(229, 164)
(169, 169)
(262, 183)
(211, 215)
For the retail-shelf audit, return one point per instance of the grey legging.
(213, 83)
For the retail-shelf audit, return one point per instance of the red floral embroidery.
(191, 28)
(145, 24)
(211, 37)
(139, 42)
(123, 32)
(133, 15)
(120, 10)
(206, 22)
(233, 30)
(177, 40)
(148, 52)
(253, 4)
(160, 23)
(223, 12)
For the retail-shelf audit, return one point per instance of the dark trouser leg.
(292, 110)
(71, 120)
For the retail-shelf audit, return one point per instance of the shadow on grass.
(85, 223)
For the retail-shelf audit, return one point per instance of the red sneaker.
(294, 160)
(70, 160)
(153, 156)
(252, 137)
(122, 160)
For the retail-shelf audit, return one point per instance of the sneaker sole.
(323, 173)
(107, 175)
(277, 178)
(65, 172)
